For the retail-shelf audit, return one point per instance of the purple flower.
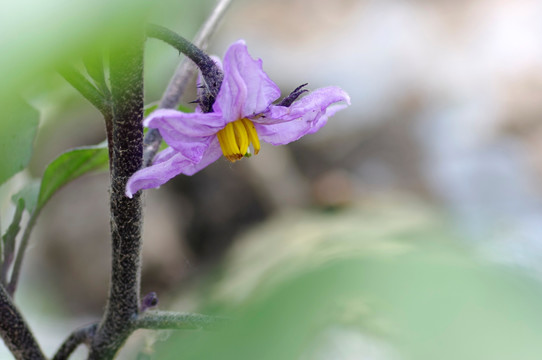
(243, 114)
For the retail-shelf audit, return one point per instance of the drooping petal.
(172, 164)
(164, 155)
(187, 124)
(282, 125)
(246, 89)
(167, 164)
(211, 155)
(188, 133)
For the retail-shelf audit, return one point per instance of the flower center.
(236, 137)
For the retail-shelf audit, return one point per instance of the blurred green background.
(408, 228)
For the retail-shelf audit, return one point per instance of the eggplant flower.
(243, 116)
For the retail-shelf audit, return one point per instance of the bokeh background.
(440, 149)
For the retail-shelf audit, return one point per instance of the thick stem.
(126, 67)
(15, 331)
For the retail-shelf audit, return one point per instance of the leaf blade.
(69, 166)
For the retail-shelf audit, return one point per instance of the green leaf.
(185, 109)
(69, 166)
(29, 194)
(17, 131)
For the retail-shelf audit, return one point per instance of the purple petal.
(246, 89)
(171, 165)
(164, 155)
(282, 125)
(212, 154)
(187, 124)
(189, 134)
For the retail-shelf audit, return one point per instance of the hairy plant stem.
(169, 320)
(126, 71)
(15, 331)
(152, 320)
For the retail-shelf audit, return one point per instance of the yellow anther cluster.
(236, 137)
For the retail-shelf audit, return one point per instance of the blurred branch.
(165, 320)
(80, 336)
(12, 286)
(8, 241)
(15, 332)
(184, 72)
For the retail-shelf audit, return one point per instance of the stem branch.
(12, 286)
(15, 331)
(80, 336)
(169, 320)
(8, 241)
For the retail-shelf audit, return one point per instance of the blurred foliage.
(18, 129)
(41, 36)
(390, 274)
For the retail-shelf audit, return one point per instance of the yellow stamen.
(252, 135)
(241, 137)
(223, 143)
(230, 138)
(236, 137)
